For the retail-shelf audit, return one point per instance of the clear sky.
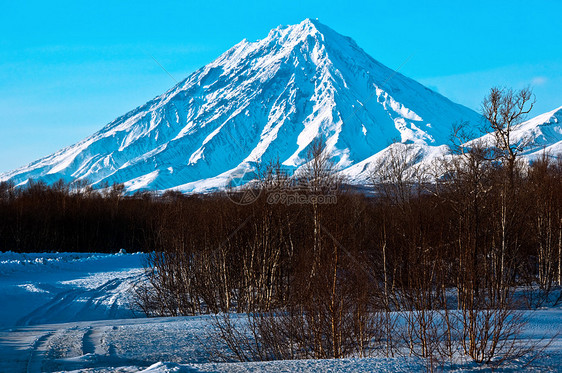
(68, 68)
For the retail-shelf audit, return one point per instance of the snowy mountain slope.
(415, 157)
(543, 130)
(257, 102)
(538, 135)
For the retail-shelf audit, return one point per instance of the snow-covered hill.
(539, 135)
(257, 102)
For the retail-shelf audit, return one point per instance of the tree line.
(73, 217)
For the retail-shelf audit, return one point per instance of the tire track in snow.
(88, 344)
(37, 353)
(60, 301)
(81, 304)
(92, 341)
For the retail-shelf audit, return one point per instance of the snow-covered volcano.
(257, 102)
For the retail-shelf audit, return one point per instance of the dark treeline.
(73, 217)
(481, 218)
(471, 231)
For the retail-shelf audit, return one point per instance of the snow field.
(71, 313)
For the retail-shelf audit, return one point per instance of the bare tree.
(504, 109)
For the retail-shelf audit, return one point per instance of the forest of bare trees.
(433, 269)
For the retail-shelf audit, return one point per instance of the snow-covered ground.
(71, 312)
(61, 287)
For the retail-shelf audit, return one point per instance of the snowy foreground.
(72, 312)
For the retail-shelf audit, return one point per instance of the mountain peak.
(308, 25)
(313, 26)
(297, 32)
(309, 21)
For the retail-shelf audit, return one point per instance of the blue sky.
(68, 68)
